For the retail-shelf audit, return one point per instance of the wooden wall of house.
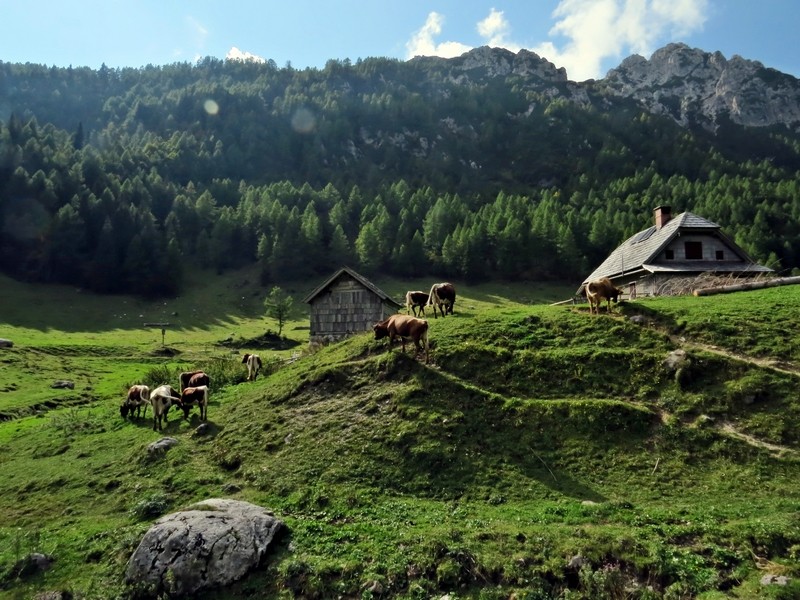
(344, 308)
(712, 248)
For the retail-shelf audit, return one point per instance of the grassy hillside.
(544, 452)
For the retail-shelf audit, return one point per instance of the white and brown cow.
(194, 379)
(137, 400)
(443, 297)
(162, 398)
(599, 290)
(416, 300)
(404, 327)
(254, 364)
(195, 396)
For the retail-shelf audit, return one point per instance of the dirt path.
(776, 450)
(727, 427)
(775, 364)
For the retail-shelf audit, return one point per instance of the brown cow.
(137, 399)
(599, 290)
(195, 396)
(162, 398)
(194, 379)
(404, 327)
(442, 295)
(416, 300)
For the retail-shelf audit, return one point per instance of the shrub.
(151, 507)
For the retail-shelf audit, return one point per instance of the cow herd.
(193, 391)
(442, 298)
(409, 327)
(195, 385)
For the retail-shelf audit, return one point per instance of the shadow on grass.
(470, 440)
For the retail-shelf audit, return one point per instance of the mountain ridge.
(689, 85)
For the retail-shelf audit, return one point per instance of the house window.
(669, 254)
(720, 255)
(694, 250)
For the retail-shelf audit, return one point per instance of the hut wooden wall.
(346, 307)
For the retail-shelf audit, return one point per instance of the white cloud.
(586, 32)
(235, 54)
(596, 30)
(495, 30)
(422, 42)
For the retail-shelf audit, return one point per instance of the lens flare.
(211, 107)
(303, 121)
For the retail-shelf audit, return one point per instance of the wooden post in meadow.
(163, 329)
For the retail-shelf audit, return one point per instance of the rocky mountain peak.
(697, 87)
(485, 62)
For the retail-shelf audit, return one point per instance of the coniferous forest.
(121, 179)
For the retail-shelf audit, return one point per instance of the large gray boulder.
(211, 544)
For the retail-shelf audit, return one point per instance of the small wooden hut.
(347, 303)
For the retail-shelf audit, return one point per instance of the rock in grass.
(159, 447)
(6, 343)
(209, 545)
(775, 580)
(33, 564)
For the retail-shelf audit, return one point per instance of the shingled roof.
(361, 279)
(637, 253)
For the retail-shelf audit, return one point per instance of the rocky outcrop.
(697, 87)
(211, 544)
(487, 63)
(497, 62)
(689, 85)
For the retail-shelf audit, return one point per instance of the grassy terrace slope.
(544, 453)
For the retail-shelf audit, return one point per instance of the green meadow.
(544, 452)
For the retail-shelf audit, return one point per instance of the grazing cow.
(416, 300)
(599, 290)
(253, 362)
(442, 295)
(195, 396)
(194, 379)
(162, 398)
(406, 328)
(137, 399)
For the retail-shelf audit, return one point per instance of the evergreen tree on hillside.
(102, 274)
(506, 178)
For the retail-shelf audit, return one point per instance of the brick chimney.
(662, 215)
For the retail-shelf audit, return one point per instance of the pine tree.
(279, 306)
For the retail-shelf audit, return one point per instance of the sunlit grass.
(537, 434)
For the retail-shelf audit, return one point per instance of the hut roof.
(360, 278)
(639, 251)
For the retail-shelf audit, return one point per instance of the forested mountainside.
(490, 165)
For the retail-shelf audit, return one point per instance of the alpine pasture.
(544, 453)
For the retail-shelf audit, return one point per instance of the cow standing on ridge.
(599, 290)
(416, 300)
(404, 327)
(443, 297)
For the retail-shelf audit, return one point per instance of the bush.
(151, 507)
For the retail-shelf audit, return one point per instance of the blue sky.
(587, 37)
